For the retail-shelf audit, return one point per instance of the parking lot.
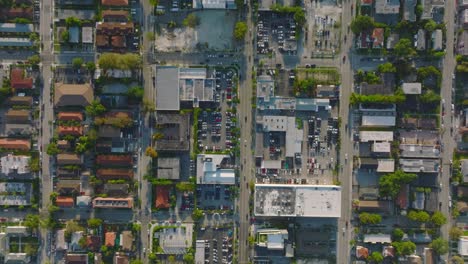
(215, 127)
(215, 197)
(276, 32)
(218, 244)
(70, 75)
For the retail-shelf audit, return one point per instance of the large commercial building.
(215, 169)
(291, 200)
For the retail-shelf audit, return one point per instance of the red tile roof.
(71, 130)
(62, 201)
(93, 242)
(114, 2)
(17, 12)
(118, 41)
(114, 160)
(114, 14)
(18, 81)
(65, 116)
(110, 239)
(115, 173)
(362, 252)
(20, 144)
(378, 37)
(162, 197)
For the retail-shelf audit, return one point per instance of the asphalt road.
(46, 117)
(447, 121)
(345, 174)
(143, 215)
(245, 117)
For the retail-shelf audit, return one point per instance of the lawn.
(322, 75)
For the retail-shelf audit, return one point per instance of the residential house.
(76, 259)
(13, 164)
(20, 100)
(378, 38)
(87, 35)
(367, 3)
(62, 201)
(69, 159)
(463, 246)
(121, 259)
(126, 240)
(433, 9)
(162, 197)
(68, 187)
(364, 40)
(114, 160)
(462, 46)
(113, 34)
(412, 88)
(110, 239)
(116, 190)
(387, 11)
(107, 131)
(70, 116)
(409, 13)
(73, 94)
(375, 206)
(74, 35)
(75, 241)
(437, 39)
(70, 130)
(115, 16)
(113, 203)
(115, 3)
(15, 144)
(464, 169)
(392, 40)
(18, 79)
(420, 43)
(419, 151)
(15, 42)
(168, 168)
(83, 201)
(17, 258)
(362, 252)
(377, 238)
(9, 13)
(17, 116)
(93, 242)
(114, 173)
(63, 144)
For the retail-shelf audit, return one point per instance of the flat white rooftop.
(379, 121)
(215, 169)
(291, 200)
(379, 136)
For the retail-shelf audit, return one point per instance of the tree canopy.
(376, 257)
(438, 218)
(397, 234)
(240, 30)
(191, 20)
(455, 233)
(430, 97)
(404, 48)
(386, 67)
(440, 246)
(94, 222)
(390, 184)
(419, 216)
(77, 62)
(367, 218)
(362, 23)
(127, 61)
(404, 248)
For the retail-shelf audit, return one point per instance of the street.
(447, 121)
(47, 115)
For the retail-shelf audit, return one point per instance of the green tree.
(419, 216)
(240, 30)
(457, 260)
(150, 36)
(77, 62)
(136, 227)
(430, 97)
(91, 66)
(372, 78)
(376, 257)
(430, 25)
(397, 234)
(30, 249)
(171, 259)
(94, 222)
(404, 48)
(438, 219)
(136, 92)
(72, 21)
(95, 109)
(367, 218)
(362, 23)
(390, 184)
(34, 60)
(151, 152)
(239, 4)
(153, 2)
(440, 246)
(404, 248)
(386, 67)
(197, 214)
(72, 226)
(455, 233)
(300, 18)
(31, 221)
(65, 36)
(188, 258)
(52, 149)
(191, 20)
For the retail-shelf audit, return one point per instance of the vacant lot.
(321, 75)
(213, 33)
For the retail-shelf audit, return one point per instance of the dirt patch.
(321, 75)
(213, 33)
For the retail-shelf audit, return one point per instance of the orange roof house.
(70, 130)
(162, 197)
(74, 116)
(110, 239)
(16, 144)
(115, 173)
(362, 252)
(378, 38)
(115, 15)
(18, 81)
(93, 242)
(114, 2)
(122, 160)
(63, 201)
